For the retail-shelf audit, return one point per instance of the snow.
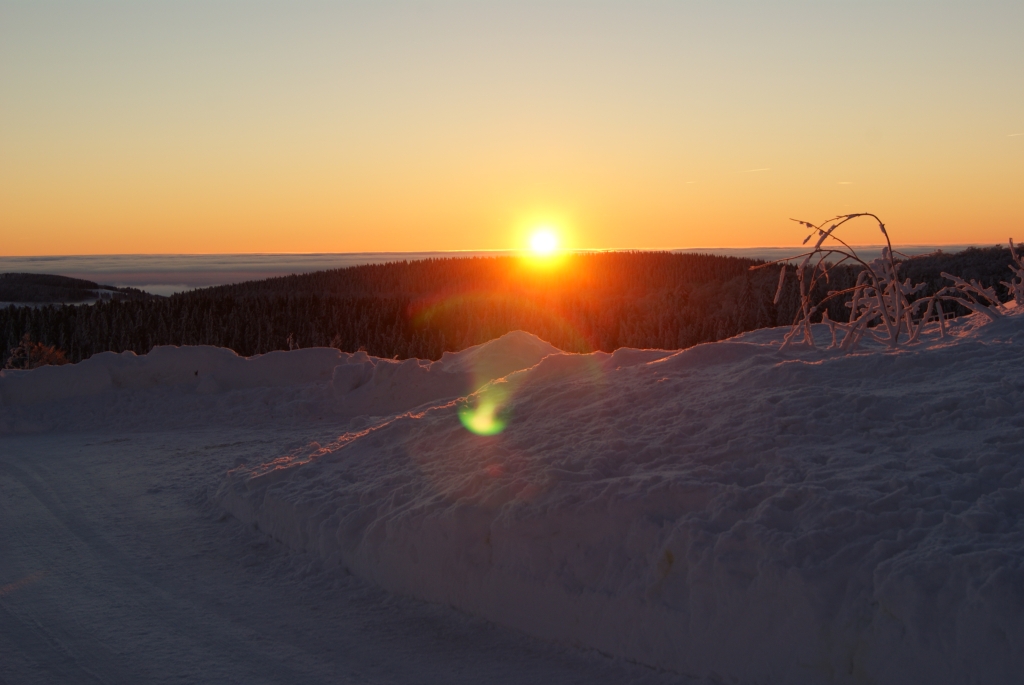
(730, 512)
(204, 385)
(115, 568)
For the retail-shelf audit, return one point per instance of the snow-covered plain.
(728, 513)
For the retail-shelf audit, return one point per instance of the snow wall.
(728, 512)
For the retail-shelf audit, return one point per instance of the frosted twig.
(1015, 286)
(880, 304)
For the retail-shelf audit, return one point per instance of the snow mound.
(378, 387)
(202, 369)
(729, 512)
(201, 385)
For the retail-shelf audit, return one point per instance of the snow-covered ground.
(728, 513)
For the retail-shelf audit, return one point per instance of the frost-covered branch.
(880, 303)
(1016, 283)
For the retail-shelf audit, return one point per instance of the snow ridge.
(204, 385)
(728, 512)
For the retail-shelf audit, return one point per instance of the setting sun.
(544, 242)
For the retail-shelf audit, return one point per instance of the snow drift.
(730, 512)
(727, 511)
(190, 386)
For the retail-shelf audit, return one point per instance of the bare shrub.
(32, 355)
(881, 305)
(1016, 283)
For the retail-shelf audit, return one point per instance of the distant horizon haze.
(165, 274)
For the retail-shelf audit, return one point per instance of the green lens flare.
(482, 420)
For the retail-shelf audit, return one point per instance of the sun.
(544, 242)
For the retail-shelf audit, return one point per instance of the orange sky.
(211, 127)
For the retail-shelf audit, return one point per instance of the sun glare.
(543, 242)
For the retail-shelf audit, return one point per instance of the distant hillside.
(597, 301)
(46, 288)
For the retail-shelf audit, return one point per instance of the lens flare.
(544, 242)
(485, 412)
(482, 420)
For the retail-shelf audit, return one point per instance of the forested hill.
(44, 288)
(584, 302)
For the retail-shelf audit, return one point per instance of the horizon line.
(474, 251)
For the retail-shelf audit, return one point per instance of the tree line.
(581, 303)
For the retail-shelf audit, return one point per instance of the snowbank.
(203, 385)
(728, 511)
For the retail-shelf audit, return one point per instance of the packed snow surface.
(729, 512)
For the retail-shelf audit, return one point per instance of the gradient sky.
(205, 127)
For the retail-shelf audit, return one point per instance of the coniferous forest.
(581, 303)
